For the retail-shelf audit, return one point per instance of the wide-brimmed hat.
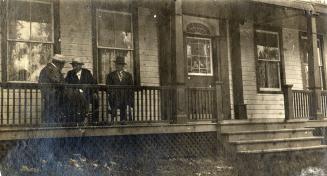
(77, 61)
(59, 58)
(120, 60)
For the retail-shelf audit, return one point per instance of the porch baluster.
(19, 105)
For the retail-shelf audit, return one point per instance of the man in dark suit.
(120, 98)
(52, 95)
(83, 96)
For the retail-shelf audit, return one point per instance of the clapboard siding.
(292, 58)
(75, 31)
(148, 48)
(258, 105)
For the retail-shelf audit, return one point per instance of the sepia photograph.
(163, 87)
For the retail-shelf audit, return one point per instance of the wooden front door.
(200, 77)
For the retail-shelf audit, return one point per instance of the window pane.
(107, 58)
(123, 33)
(195, 64)
(41, 22)
(268, 74)
(261, 74)
(267, 39)
(18, 61)
(25, 61)
(272, 74)
(19, 20)
(39, 57)
(199, 59)
(267, 53)
(106, 35)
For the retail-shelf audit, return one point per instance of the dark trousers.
(52, 108)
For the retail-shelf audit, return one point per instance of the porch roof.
(297, 4)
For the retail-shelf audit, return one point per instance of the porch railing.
(24, 104)
(297, 103)
(201, 103)
(301, 103)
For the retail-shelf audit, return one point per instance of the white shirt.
(79, 73)
(120, 75)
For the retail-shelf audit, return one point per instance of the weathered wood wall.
(148, 47)
(76, 31)
(292, 60)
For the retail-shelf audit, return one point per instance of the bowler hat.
(120, 60)
(58, 58)
(77, 61)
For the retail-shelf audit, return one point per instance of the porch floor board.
(18, 133)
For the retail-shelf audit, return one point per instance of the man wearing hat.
(120, 98)
(83, 96)
(52, 96)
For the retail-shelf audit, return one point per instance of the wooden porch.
(154, 112)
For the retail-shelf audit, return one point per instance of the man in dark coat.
(84, 96)
(120, 98)
(52, 95)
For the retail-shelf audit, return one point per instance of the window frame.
(97, 47)
(277, 32)
(55, 38)
(210, 56)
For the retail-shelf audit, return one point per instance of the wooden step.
(268, 134)
(276, 143)
(235, 126)
(291, 149)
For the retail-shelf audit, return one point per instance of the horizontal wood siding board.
(148, 48)
(76, 32)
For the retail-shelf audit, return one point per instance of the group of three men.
(71, 104)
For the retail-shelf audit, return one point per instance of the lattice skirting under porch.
(154, 146)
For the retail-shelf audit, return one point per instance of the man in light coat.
(52, 92)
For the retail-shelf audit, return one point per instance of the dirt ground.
(37, 158)
(78, 165)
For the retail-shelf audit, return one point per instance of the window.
(29, 38)
(199, 56)
(268, 60)
(114, 38)
(305, 57)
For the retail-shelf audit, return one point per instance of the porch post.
(288, 101)
(219, 101)
(238, 97)
(313, 63)
(178, 61)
